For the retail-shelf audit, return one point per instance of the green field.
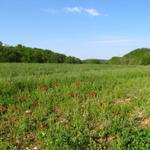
(74, 107)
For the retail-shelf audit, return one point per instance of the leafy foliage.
(24, 54)
(136, 139)
(115, 60)
(136, 57)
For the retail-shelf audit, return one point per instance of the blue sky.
(81, 28)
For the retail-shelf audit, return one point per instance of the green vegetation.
(136, 57)
(115, 60)
(24, 54)
(94, 61)
(68, 107)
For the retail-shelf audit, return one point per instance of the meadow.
(74, 107)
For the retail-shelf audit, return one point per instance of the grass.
(74, 107)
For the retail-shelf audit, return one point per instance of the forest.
(140, 56)
(20, 53)
(25, 54)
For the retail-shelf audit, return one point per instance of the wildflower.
(15, 108)
(76, 85)
(2, 108)
(70, 94)
(42, 126)
(93, 94)
(73, 94)
(43, 87)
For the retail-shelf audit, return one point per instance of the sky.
(82, 28)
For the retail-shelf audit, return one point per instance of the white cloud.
(73, 9)
(92, 12)
(89, 11)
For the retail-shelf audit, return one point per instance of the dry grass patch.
(123, 101)
(145, 123)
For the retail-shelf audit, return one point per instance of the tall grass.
(60, 106)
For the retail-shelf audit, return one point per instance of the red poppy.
(93, 94)
(70, 94)
(42, 126)
(2, 108)
(76, 85)
(43, 87)
(73, 94)
(15, 108)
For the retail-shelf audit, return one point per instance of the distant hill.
(139, 56)
(25, 54)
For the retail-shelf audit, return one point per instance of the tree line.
(25, 54)
(140, 56)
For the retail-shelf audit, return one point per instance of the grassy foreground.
(74, 107)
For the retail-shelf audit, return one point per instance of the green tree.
(115, 60)
(21, 53)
